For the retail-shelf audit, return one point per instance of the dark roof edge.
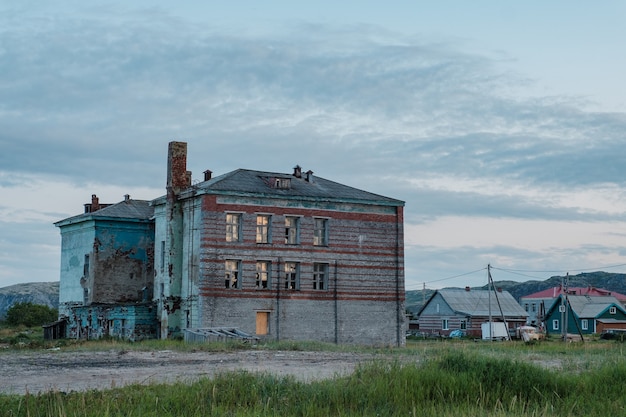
(189, 193)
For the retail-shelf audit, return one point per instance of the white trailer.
(495, 331)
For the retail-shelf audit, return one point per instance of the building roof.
(585, 306)
(127, 209)
(554, 292)
(245, 182)
(478, 302)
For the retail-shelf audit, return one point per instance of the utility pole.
(489, 285)
(565, 320)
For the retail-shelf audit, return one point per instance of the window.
(463, 324)
(292, 232)
(526, 306)
(292, 275)
(232, 277)
(162, 255)
(233, 227)
(263, 222)
(444, 324)
(613, 310)
(534, 307)
(320, 276)
(320, 232)
(555, 325)
(263, 269)
(584, 324)
(86, 266)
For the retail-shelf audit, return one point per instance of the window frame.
(320, 234)
(292, 276)
(234, 227)
(555, 324)
(162, 267)
(264, 230)
(613, 310)
(228, 280)
(320, 276)
(445, 324)
(463, 324)
(292, 232)
(260, 272)
(584, 324)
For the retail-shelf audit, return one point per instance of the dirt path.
(36, 372)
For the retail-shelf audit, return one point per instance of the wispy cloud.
(91, 99)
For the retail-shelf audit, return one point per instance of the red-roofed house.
(539, 303)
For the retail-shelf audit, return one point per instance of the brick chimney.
(178, 178)
(95, 203)
(297, 171)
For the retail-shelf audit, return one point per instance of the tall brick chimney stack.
(178, 178)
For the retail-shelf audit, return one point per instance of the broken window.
(292, 275)
(162, 255)
(292, 232)
(320, 232)
(263, 269)
(86, 266)
(233, 274)
(320, 276)
(233, 227)
(263, 222)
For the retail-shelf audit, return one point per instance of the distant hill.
(45, 293)
(606, 280)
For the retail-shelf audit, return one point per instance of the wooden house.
(466, 310)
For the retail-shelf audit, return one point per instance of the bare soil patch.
(36, 372)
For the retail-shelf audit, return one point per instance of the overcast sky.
(501, 124)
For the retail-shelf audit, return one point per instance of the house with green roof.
(584, 315)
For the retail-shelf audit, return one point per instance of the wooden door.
(262, 323)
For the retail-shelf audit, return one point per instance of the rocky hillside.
(606, 280)
(46, 293)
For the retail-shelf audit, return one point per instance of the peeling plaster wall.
(76, 242)
(122, 264)
(119, 268)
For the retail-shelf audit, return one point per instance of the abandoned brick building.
(279, 256)
(107, 271)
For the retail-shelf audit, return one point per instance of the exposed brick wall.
(364, 302)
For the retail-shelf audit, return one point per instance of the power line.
(456, 276)
(560, 270)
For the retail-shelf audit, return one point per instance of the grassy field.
(427, 378)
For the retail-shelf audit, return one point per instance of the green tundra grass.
(427, 378)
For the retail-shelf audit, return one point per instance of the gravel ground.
(36, 372)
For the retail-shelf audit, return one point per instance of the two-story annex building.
(279, 256)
